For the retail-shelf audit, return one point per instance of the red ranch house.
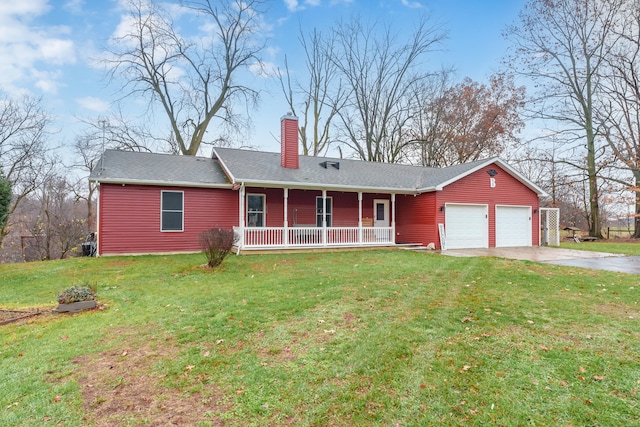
(157, 203)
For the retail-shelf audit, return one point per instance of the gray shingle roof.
(255, 167)
(259, 168)
(158, 169)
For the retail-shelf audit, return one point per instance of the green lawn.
(605, 246)
(365, 338)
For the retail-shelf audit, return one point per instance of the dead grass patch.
(123, 387)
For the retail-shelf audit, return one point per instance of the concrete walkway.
(568, 257)
(534, 253)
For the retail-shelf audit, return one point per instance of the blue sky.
(49, 48)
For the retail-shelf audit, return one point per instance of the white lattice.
(549, 227)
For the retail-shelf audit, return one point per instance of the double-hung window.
(255, 210)
(172, 211)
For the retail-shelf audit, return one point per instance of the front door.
(381, 213)
(381, 218)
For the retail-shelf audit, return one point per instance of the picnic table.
(578, 238)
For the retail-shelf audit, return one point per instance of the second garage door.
(513, 226)
(466, 226)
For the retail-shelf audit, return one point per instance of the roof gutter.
(311, 186)
(158, 183)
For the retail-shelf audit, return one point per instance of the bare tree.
(560, 45)
(467, 121)
(56, 225)
(621, 105)
(23, 149)
(380, 76)
(317, 97)
(194, 80)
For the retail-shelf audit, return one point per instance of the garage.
(513, 226)
(466, 226)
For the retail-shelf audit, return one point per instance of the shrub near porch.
(350, 338)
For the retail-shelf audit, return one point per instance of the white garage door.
(513, 226)
(466, 226)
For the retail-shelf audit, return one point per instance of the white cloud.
(93, 104)
(74, 6)
(23, 7)
(264, 69)
(31, 52)
(294, 5)
(412, 4)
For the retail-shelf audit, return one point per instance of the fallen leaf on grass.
(598, 377)
(329, 331)
(544, 347)
(189, 367)
(563, 383)
(56, 398)
(64, 337)
(582, 370)
(13, 404)
(124, 353)
(530, 322)
(206, 354)
(220, 341)
(465, 368)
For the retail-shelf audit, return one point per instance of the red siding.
(130, 218)
(416, 222)
(475, 188)
(418, 216)
(289, 142)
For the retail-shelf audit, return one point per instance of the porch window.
(319, 211)
(172, 211)
(255, 210)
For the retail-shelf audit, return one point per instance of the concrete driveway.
(569, 257)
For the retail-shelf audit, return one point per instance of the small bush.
(76, 294)
(216, 244)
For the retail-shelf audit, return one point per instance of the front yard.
(363, 338)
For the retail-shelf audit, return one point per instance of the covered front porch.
(313, 218)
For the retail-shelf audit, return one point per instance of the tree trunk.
(636, 219)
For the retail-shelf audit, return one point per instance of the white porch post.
(241, 217)
(285, 237)
(359, 216)
(393, 217)
(324, 217)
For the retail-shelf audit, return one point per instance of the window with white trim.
(256, 210)
(172, 211)
(319, 210)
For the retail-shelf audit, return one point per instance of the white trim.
(264, 209)
(98, 221)
(162, 210)
(332, 187)
(517, 175)
(324, 213)
(160, 183)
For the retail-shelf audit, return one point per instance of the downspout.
(393, 218)
(98, 219)
(324, 217)
(241, 218)
(360, 217)
(285, 237)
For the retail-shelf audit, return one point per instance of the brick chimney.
(289, 141)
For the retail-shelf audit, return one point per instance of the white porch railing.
(274, 237)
